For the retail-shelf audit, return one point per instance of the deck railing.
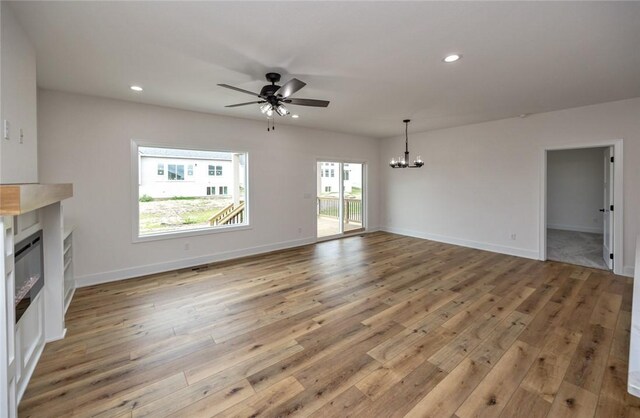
(330, 207)
(230, 215)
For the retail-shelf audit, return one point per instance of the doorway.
(340, 198)
(580, 223)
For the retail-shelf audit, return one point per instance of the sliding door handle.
(602, 210)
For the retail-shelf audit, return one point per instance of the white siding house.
(166, 173)
(330, 177)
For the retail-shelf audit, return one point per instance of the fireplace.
(29, 272)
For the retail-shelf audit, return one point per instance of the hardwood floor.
(373, 326)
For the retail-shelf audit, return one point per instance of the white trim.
(633, 377)
(26, 377)
(56, 338)
(618, 198)
(134, 192)
(122, 274)
(576, 228)
(190, 233)
(628, 271)
(502, 249)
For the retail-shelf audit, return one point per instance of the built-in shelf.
(16, 199)
(69, 279)
(25, 209)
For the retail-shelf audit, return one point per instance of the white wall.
(18, 161)
(482, 182)
(575, 189)
(86, 141)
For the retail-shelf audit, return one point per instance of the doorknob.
(601, 210)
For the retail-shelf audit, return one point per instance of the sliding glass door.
(340, 198)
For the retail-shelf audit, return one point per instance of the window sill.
(190, 233)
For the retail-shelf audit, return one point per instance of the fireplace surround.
(29, 272)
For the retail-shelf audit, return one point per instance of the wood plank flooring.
(375, 326)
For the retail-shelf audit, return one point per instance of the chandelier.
(403, 162)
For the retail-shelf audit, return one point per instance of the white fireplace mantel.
(25, 209)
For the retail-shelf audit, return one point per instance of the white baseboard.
(128, 273)
(589, 229)
(502, 249)
(628, 271)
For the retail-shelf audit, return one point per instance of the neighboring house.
(330, 178)
(166, 173)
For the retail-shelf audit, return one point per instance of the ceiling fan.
(273, 97)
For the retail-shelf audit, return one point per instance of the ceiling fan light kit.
(273, 97)
(403, 162)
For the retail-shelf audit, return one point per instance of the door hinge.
(611, 208)
(611, 256)
(612, 159)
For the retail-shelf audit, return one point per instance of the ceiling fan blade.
(290, 87)
(308, 102)
(244, 104)
(226, 86)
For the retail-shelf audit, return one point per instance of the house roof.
(184, 153)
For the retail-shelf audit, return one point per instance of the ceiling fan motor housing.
(269, 90)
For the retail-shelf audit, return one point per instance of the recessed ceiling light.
(452, 58)
(295, 116)
(136, 88)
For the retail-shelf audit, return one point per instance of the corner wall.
(86, 141)
(18, 160)
(482, 183)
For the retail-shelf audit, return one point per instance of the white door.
(607, 248)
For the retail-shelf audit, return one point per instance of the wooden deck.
(330, 226)
(373, 326)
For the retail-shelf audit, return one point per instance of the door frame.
(618, 198)
(365, 190)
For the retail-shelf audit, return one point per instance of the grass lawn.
(179, 214)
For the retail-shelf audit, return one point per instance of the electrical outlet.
(513, 237)
(5, 129)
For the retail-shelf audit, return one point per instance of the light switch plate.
(5, 129)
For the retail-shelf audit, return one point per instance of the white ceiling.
(377, 62)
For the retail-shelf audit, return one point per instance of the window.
(176, 171)
(346, 174)
(327, 189)
(326, 172)
(169, 205)
(333, 173)
(215, 170)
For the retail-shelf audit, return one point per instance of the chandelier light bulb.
(404, 161)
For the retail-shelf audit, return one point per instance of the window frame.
(135, 195)
(176, 165)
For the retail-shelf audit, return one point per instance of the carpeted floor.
(581, 248)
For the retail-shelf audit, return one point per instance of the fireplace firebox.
(29, 272)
